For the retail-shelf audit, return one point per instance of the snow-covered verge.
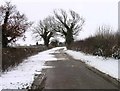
(22, 76)
(108, 66)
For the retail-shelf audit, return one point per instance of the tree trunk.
(46, 42)
(4, 36)
(69, 38)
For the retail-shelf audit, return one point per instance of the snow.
(108, 66)
(22, 76)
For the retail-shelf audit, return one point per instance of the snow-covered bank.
(22, 76)
(108, 66)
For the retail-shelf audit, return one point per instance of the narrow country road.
(68, 73)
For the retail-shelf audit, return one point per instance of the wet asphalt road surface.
(68, 73)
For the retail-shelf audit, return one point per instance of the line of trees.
(61, 24)
(14, 24)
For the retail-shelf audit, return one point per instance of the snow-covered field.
(22, 76)
(108, 66)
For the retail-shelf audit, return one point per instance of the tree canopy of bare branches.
(45, 29)
(13, 23)
(68, 24)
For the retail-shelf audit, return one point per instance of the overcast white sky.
(95, 12)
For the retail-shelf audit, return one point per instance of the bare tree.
(69, 25)
(13, 23)
(45, 30)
